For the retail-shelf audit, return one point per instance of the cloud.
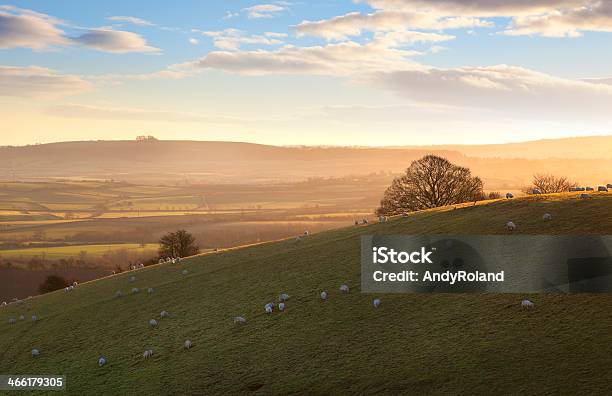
(34, 82)
(232, 39)
(131, 19)
(24, 28)
(264, 11)
(354, 23)
(193, 41)
(116, 41)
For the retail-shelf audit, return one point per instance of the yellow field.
(65, 252)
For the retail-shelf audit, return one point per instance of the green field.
(66, 252)
(414, 344)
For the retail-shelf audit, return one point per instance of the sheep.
(12, 321)
(269, 307)
(585, 196)
(164, 314)
(573, 189)
(281, 307)
(323, 295)
(185, 272)
(239, 320)
(356, 222)
(590, 189)
(365, 221)
(580, 189)
(135, 290)
(344, 288)
(509, 195)
(510, 226)
(132, 267)
(118, 293)
(150, 290)
(35, 352)
(283, 297)
(609, 186)
(101, 361)
(602, 189)
(132, 278)
(66, 289)
(536, 191)
(34, 318)
(148, 353)
(526, 304)
(71, 287)
(376, 302)
(306, 233)
(3, 304)
(75, 284)
(141, 265)
(153, 323)
(187, 344)
(298, 238)
(160, 261)
(547, 217)
(21, 317)
(173, 261)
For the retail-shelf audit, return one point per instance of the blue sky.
(372, 72)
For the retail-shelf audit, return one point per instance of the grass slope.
(416, 344)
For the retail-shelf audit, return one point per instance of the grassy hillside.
(417, 344)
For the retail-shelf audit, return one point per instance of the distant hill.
(416, 344)
(229, 162)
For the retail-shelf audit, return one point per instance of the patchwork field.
(418, 344)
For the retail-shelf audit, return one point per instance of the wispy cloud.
(37, 82)
(131, 19)
(264, 11)
(232, 39)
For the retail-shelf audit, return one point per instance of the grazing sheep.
(365, 221)
(135, 290)
(21, 317)
(132, 278)
(187, 344)
(75, 284)
(3, 304)
(609, 186)
(585, 196)
(239, 320)
(12, 321)
(269, 307)
(160, 261)
(66, 289)
(356, 222)
(164, 314)
(70, 288)
(153, 323)
(101, 361)
(185, 272)
(35, 352)
(590, 189)
(573, 189)
(113, 273)
(376, 302)
(148, 353)
(602, 189)
(306, 233)
(141, 265)
(281, 307)
(283, 297)
(510, 226)
(323, 295)
(344, 288)
(150, 290)
(526, 304)
(580, 189)
(509, 195)
(118, 293)
(132, 267)
(298, 238)
(536, 191)
(34, 318)
(547, 217)
(173, 261)
(168, 259)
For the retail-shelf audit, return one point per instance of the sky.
(367, 72)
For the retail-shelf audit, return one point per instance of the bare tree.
(549, 184)
(430, 182)
(178, 244)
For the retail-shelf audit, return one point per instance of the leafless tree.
(549, 184)
(430, 182)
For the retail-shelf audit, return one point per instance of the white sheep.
(510, 226)
(283, 297)
(160, 261)
(75, 284)
(150, 290)
(547, 217)
(66, 289)
(113, 273)
(526, 304)
(185, 272)
(269, 308)
(101, 361)
(323, 295)
(239, 320)
(344, 288)
(21, 317)
(536, 191)
(12, 321)
(3, 304)
(173, 261)
(118, 293)
(135, 290)
(281, 306)
(132, 278)
(306, 233)
(376, 302)
(509, 195)
(34, 318)
(187, 344)
(153, 323)
(148, 353)
(71, 288)
(35, 352)
(585, 196)
(164, 314)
